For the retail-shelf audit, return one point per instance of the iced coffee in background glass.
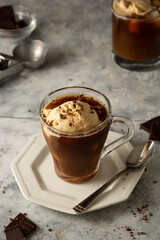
(136, 33)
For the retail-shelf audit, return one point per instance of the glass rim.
(82, 133)
(132, 18)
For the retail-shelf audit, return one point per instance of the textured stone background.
(78, 36)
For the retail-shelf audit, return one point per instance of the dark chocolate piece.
(14, 234)
(153, 128)
(7, 18)
(24, 224)
(21, 24)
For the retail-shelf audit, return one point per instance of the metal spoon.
(138, 158)
(29, 54)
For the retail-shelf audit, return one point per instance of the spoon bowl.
(31, 53)
(141, 155)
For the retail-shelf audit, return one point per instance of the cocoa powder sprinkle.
(71, 114)
(126, 3)
(77, 110)
(154, 181)
(62, 116)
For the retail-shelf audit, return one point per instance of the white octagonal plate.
(34, 172)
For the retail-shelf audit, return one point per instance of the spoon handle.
(86, 203)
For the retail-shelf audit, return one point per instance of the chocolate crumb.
(126, 3)
(62, 116)
(49, 230)
(77, 110)
(71, 114)
(128, 229)
(141, 233)
(154, 181)
(145, 218)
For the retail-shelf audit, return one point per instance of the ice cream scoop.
(132, 7)
(71, 116)
(29, 54)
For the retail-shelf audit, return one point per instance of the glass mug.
(77, 155)
(136, 41)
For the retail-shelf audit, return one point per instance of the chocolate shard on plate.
(24, 224)
(152, 126)
(14, 234)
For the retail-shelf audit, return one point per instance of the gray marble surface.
(78, 36)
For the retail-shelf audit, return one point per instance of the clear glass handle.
(123, 139)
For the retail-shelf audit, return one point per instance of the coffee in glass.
(136, 33)
(75, 122)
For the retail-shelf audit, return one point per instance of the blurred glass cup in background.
(136, 33)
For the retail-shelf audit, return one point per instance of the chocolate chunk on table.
(152, 126)
(14, 234)
(24, 224)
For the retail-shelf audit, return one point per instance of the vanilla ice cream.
(132, 7)
(71, 116)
